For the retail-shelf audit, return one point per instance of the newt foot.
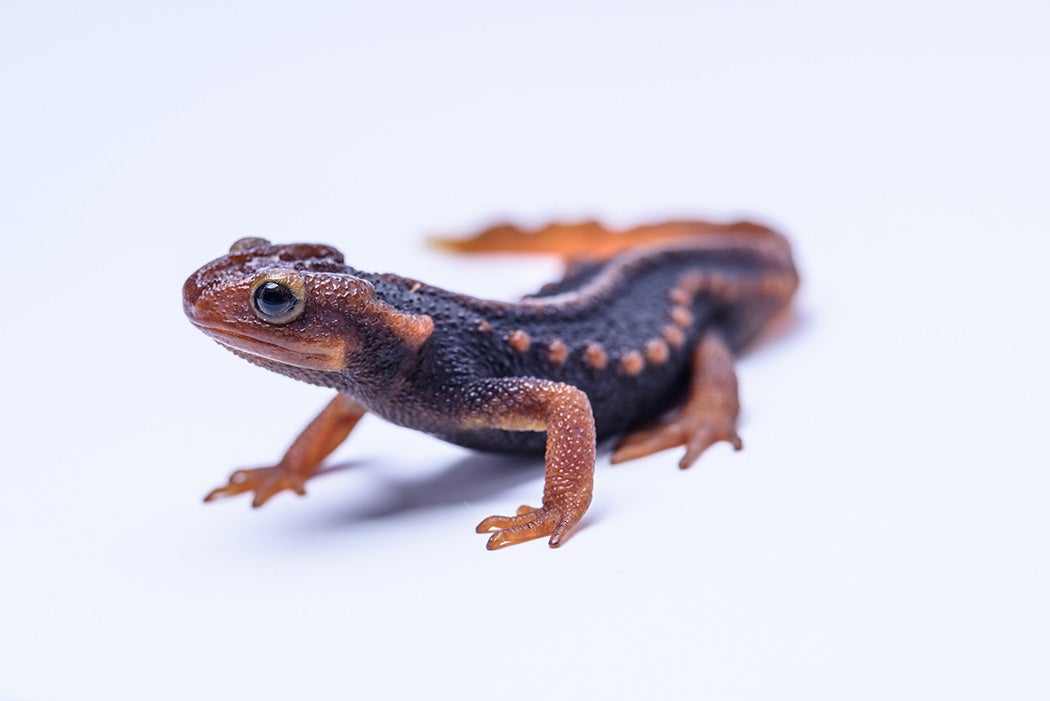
(264, 481)
(696, 431)
(528, 524)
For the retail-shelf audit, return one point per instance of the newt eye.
(278, 297)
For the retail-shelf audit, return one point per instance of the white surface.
(884, 533)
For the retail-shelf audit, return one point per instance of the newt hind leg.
(587, 240)
(708, 416)
(303, 458)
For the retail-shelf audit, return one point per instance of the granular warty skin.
(643, 321)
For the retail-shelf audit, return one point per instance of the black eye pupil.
(274, 299)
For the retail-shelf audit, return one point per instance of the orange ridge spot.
(656, 351)
(673, 335)
(519, 341)
(595, 355)
(557, 352)
(632, 363)
(679, 295)
(681, 316)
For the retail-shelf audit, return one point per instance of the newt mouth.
(312, 355)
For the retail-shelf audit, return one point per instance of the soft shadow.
(473, 477)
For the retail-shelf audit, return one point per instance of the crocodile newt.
(638, 338)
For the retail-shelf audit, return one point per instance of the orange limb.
(303, 458)
(708, 416)
(564, 412)
(588, 240)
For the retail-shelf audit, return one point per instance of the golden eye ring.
(278, 296)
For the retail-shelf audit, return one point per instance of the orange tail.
(587, 240)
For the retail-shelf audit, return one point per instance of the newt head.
(294, 305)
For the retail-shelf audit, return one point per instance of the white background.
(883, 535)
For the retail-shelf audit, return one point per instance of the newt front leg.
(564, 412)
(303, 458)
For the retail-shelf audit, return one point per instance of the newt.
(638, 338)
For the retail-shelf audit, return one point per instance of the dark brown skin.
(643, 320)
